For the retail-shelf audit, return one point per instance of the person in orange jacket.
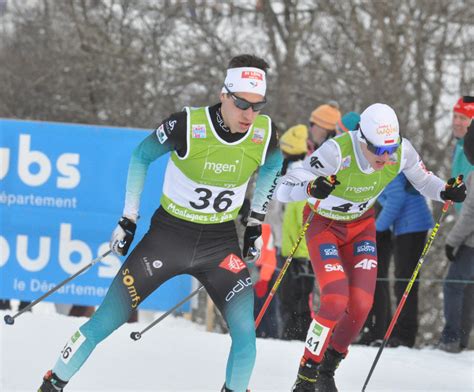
(263, 278)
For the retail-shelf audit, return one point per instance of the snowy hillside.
(178, 355)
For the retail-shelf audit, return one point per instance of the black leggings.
(172, 247)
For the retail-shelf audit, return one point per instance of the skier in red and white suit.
(341, 237)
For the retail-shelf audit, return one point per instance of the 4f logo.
(366, 264)
(316, 163)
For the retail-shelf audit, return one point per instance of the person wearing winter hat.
(323, 121)
(341, 181)
(463, 113)
(348, 122)
(458, 316)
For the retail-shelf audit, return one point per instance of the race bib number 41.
(317, 335)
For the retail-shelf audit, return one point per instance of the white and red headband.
(245, 80)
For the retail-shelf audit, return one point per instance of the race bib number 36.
(72, 346)
(316, 337)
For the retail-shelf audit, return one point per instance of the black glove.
(321, 187)
(122, 236)
(449, 250)
(455, 190)
(252, 233)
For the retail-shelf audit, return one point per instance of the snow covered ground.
(178, 355)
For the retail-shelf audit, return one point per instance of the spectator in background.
(263, 276)
(406, 214)
(322, 123)
(297, 285)
(458, 297)
(379, 317)
(347, 123)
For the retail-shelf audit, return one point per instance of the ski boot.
(307, 376)
(51, 383)
(327, 367)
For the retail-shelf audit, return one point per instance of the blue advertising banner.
(62, 189)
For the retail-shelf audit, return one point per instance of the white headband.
(245, 80)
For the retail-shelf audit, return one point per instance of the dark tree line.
(132, 62)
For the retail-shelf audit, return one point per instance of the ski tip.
(9, 320)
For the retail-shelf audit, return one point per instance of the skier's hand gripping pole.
(10, 320)
(332, 180)
(427, 247)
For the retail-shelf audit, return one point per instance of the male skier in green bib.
(341, 236)
(214, 152)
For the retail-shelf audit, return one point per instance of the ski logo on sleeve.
(365, 248)
(72, 346)
(328, 251)
(161, 134)
(316, 163)
(199, 131)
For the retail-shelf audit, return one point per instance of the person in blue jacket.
(406, 215)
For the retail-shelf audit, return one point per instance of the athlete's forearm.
(266, 182)
(143, 155)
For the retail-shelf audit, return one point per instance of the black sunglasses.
(243, 104)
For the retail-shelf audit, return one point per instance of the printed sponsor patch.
(385, 129)
(328, 251)
(365, 248)
(241, 284)
(333, 267)
(169, 125)
(366, 264)
(199, 131)
(161, 134)
(316, 337)
(149, 267)
(72, 346)
(346, 162)
(258, 135)
(315, 162)
(252, 75)
(233, 264)
(157, 264)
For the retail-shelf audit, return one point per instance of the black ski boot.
(307, 376)
(327, 367)
(51, 383)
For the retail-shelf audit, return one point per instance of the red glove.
(261, 288)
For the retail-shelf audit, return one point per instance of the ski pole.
(137, 335)
(288, 260)
(407, 290)
(286, 265)
(10, 320)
